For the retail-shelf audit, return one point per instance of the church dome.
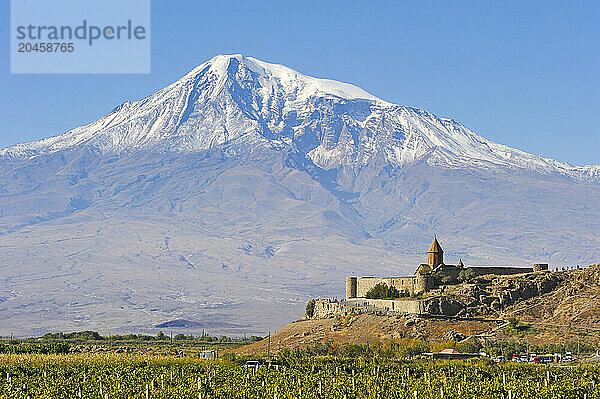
(435, 246)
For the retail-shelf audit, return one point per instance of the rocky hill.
(575, 302)
(561, 306)
(494, 296)
(364, 329)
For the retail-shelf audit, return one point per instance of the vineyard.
(119, 376)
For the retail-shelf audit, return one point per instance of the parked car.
(557, 357)
(532, 357)
(545, 359)
(518, 358)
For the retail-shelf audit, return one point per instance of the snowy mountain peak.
(227, 66)
(241, 103)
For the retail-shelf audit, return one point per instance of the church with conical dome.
(435, 254)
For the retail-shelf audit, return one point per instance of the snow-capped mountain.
(233, 195)
(237, 103)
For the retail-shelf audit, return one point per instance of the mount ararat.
(233, 195)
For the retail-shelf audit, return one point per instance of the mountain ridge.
(237, 102)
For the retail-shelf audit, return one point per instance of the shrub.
(80, 335)
(469, 347)
(53, 348)
(517, 327)
(409, 347)
(466, 275)
(310, 308)
(448, 280)
(383, 291)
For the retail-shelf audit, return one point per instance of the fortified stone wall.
(501, 271)
(326, 308)
(410, 285)
(351, 287)
(390, 305)
(357, 287)
(425, 283)
(538, 267)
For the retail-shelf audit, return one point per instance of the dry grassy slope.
(575, 302)
(362, 329)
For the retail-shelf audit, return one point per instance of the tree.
(160, 335)
(466, 275)
(447, 280)
(383, 291)
(310, 308)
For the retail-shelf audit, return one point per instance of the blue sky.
(524, 74)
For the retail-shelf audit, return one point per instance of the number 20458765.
(26, 47)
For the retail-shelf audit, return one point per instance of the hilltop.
(558, 307)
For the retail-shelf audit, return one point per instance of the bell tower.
(435, 254)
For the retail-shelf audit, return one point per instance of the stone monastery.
(430, 275)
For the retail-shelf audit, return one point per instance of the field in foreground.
(126, 376)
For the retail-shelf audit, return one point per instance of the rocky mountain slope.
(238, 192)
